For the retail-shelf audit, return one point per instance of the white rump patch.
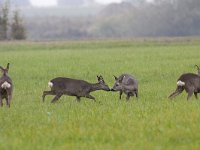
(5, 85)
(180, 83)
(50, 84)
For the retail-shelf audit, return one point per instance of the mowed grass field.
(151, 122)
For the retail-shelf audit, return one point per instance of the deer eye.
(117, 84)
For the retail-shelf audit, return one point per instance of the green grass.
(152, 122)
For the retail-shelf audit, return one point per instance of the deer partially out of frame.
(189, 82)
(6, 86)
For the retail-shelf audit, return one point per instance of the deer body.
(74, 87)
(6, 87)
(126, 84)
(190, 83)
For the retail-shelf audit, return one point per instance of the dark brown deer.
(73, 87)
(6, 86)
(189, 82)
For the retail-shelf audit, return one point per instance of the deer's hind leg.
(47, 93)
(195, 94)
(8, 100)
(78, 98)
(190, 90)
(136, 93)
(178, 91)
(8, 97)
(57, 97)
(129, 95)
(189, 95)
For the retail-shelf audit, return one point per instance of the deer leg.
(120, 95)
(90, 97)
(47, 93)
(56, 97)
(8, 97)
(189, 94)
(128, 96)
(195, 94)
(176, 93)
(136, 93)
(8, 100)
(78, 98)
(7, 103)
(190, 90)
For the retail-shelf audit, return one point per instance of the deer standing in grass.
(189, 82)
(74, 87)
(127, 84)
(6, 86)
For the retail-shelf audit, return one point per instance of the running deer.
(73, 87)
(126, 84)
(189, 82)
(6, 86)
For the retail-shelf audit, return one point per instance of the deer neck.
(95, 87)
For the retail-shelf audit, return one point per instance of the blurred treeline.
(131, 18)
(11, 23)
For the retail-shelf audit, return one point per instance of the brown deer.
(74, 87)
(6, 86)
(189, 82)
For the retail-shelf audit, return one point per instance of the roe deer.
(6, 86)
(74, 87)
(189, 82)
(126, 84)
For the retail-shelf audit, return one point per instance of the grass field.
(152, 122)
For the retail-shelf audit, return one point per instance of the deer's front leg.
(90, 97)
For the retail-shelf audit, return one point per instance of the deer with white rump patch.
(73, 87)
(6, 86)
(189, 82)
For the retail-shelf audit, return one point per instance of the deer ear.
(8, 66)
(101, 77)
(115, 78)
(197, 67)
(98, 77)
(121, 79)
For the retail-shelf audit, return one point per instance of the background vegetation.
(11, 25)
(152, 122)
(79, 19)
(134, 18)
